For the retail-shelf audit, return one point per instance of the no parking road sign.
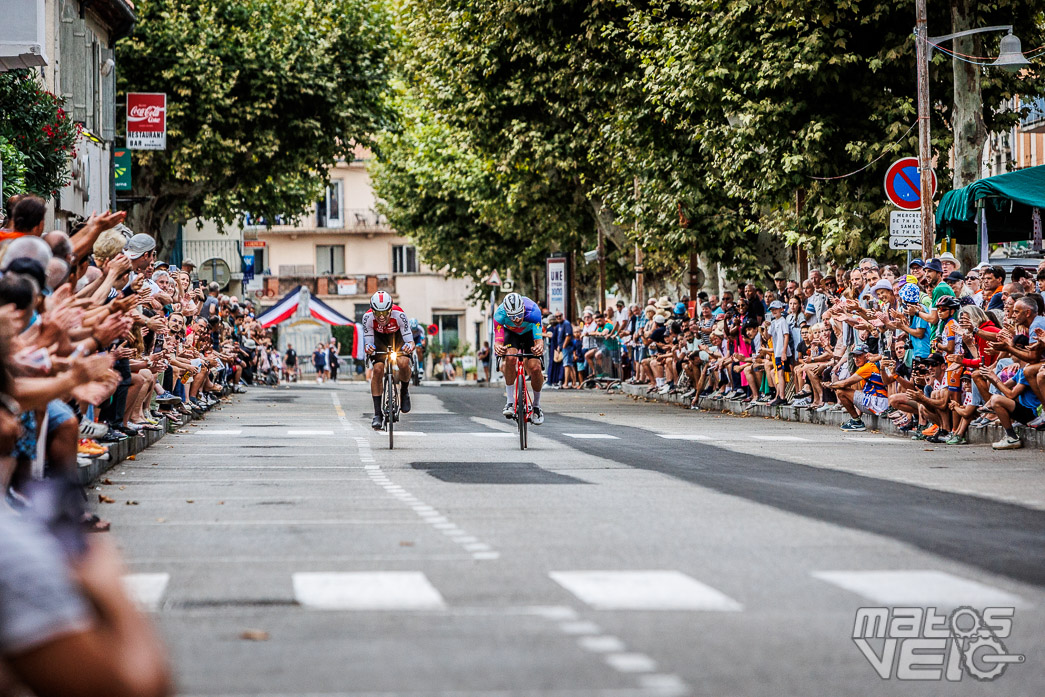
(903, 184)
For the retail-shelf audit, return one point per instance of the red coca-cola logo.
(146, 112)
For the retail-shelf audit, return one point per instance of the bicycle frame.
(389, 394)
(523, 408)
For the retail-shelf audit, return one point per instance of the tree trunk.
(970, 133)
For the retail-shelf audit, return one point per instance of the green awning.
(1007, 198)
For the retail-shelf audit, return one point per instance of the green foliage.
(33, 122)
(263, 97)
(344, 335)
(13, 171)
(681, 125)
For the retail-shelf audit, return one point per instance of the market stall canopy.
(1008, 202)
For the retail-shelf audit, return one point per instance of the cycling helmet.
(948, 302)
(414, 324)
(381, 301)
(514, 306)
(910, 293)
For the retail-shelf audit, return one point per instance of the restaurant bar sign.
(146, 121)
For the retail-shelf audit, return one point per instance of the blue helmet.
(910, 293)
(414, 324)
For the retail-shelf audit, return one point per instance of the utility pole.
(924, 145)
(640, 281)
(602, 269)
(694, 269)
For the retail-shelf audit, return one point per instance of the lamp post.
(1011, 58)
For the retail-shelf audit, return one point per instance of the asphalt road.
(633, 549)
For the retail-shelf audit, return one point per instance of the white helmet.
(514, 305)
(381, 301)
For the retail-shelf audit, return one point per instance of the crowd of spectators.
(935, 350)
(100, 341)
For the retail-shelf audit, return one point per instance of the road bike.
(417, 366)
(523, 407)
(390, 394)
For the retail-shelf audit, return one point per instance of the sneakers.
(930, 430)
(778, 402)
(955, 439)
(90, 448)
(377, 422)
(853, 425)
(940, 437)
(508, 411)
(1008, 443)
(826, 407)
(92, 429)
(802, 403)
(1038, 421)
(404, 401)
(537, 416)
(168, 398)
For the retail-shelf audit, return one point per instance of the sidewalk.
(984, 436)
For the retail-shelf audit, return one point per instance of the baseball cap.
(776, 305)
(934, 265)
(188, 262)
(859, 350)
(138, 245)
(916, 262)
(159, 263)
(779, 276)
(954, 276)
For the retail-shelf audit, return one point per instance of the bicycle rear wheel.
(520, 410)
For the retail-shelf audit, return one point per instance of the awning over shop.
(1008, 200)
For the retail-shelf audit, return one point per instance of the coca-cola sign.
(146, 121)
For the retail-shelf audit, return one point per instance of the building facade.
(343, 251)
(71, 44)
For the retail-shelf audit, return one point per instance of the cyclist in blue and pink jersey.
(517, 328)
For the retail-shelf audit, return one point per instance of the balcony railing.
(275, 287)
(355, 220)
(1033, 122)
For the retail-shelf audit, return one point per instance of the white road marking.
(664, 684)
(643, 590)
(219, 432)
(684, 436)
(367, 590)
(604, 643)
(146, 589)
(579, 627)
(487, 434)
(409, 433)
(310, 433)
(631, 662)
(486, 556)
(918, 587)
(781, 438)
(591, 436)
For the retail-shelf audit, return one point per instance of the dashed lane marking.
(782, 438)
(683, 436)
(591, 436)
(310, 433)
(219, 432)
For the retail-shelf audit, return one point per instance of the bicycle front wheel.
(390, 408)
(520, 410)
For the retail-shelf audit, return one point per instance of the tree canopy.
(263, 97)
(726, 128)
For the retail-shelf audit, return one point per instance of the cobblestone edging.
(991, 434)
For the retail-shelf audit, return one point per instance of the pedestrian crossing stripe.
(643, 590)
(366, 590)
(919, 588)
(146, 589)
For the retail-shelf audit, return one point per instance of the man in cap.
(956, 281)
(780, 281)
(141, 250)
(934, 280)
(780, 333)
(863, 391)
(916, 269)
(188, 266)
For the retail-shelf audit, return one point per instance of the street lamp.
(1011, 58)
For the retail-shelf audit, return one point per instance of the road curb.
(983, 436)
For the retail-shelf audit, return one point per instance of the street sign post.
(905, 229)
(903, 184)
